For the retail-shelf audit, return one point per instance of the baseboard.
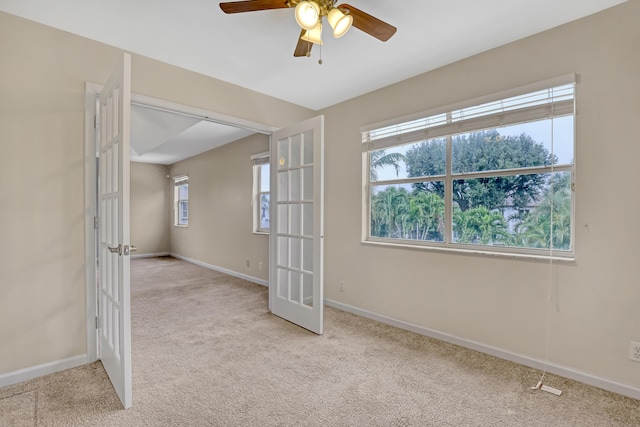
(223, 270)
(563, 371)
(136, 256)
(32, 372)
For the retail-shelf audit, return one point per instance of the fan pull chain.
(320, 60)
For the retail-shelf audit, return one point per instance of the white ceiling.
(255, 49)
(164, 137)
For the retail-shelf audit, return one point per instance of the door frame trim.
(90, 194)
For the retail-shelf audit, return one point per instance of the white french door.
(296, 230)
(114, 296)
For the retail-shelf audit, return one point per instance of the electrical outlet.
(259, 266)
(634, 351)
(248, 263)
(341, 286)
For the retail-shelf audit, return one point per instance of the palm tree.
(379, 159)
(388, 212)
(427, 213)
(535, 229)
(479, 225)
(382, 213)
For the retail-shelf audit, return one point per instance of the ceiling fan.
(309, 15)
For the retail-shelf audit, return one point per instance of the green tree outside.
(480, 205)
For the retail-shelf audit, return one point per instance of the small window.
(181, 201)
(260, 199)
(496, 175)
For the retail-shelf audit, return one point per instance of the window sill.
(568, 258)
(262, 233)
(180, 226)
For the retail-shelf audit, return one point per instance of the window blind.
(552, 102)
(260, 159)
(180, 180)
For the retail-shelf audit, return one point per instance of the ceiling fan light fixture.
(314, 35)
(307, 14)
(339, 21)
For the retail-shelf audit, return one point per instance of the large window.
(181, 201)
(260, 192)
(496, 176)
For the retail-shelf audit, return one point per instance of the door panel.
(296, 287)
(114, 262)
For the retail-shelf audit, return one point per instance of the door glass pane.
(105, 182)
(294, 243)
(115, 164)
(307, 254)
(283, 153)
(307, 290)
(116, 329)
(283, 283)
(308, 147)
(283, 219)
(114, 221)
(307, 177)
(115, 278)
(296, 191)
(307, 219)
(295, 151)
(296, 220)
(295, 287)
(283, 186)
(104, 232)
(283, 251)
(108, 324)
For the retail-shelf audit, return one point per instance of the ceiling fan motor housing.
(325, 5)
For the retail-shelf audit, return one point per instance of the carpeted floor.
(207, 352)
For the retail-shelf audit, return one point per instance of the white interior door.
(295, 282)
(113, 187)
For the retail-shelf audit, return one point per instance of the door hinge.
(95, 121)
(97, 323)
(95, 222)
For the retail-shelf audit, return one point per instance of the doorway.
(94, 222)
(93, 189)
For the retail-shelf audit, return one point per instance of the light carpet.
(207, 352)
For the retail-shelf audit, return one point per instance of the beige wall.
(497, 301)
(42, 252)
(150, 208)
(220, 230)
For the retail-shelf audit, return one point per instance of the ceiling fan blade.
(252, 5)
(369, 24)
(303, 48)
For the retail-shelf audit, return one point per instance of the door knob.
(128, 249)
(116, 250)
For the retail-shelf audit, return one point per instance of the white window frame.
(418, 127)
(179, 181)
(257, 162)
